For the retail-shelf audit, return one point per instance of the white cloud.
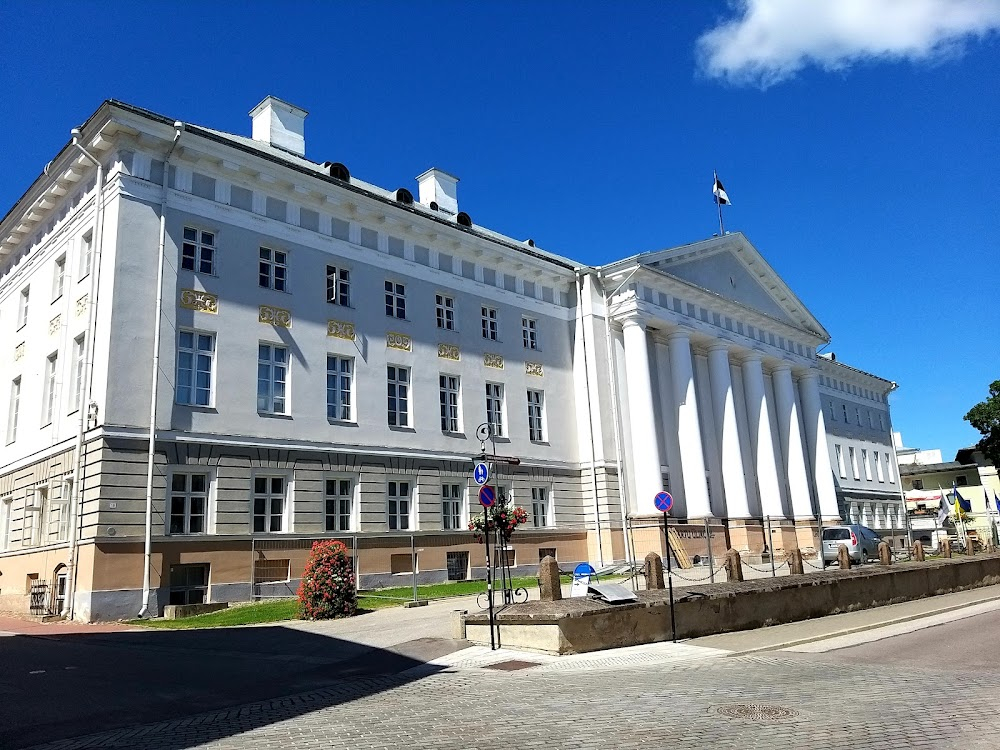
(771, 40)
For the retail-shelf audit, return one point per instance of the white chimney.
(439, 187)
(281, 124)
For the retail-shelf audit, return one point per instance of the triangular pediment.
(732, 268)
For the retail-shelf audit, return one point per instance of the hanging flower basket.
(501, 516)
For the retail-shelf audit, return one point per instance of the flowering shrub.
(500, 516)
(327, 587)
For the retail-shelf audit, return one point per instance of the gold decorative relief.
(81, 306)
(448, 351)
(19, 352)
(275, 316)
(340, 329)
(192, 299)
(54, 325)
(493, 360)
(533, 368)
(399, 341)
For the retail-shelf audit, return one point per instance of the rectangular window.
(854, 462)
(918, 484)
(188, 503)
(272, 379)
(529, 333)
(398, 505)
(198, 251)
(398, 379)
(536, 416)
(338, 387)
(188, 584)
(881, 424)
(879, 474)
(58, 278)
(870, 423)
(13, 409)
(5, 505)
(49, 388)
(888, 470)
(57, 519)
(449, 402)
(36, 505)
(273, 272)
(495, 408)
(840, 462)
(844, 407)
(539, 507)
(338, 286)
(395, 300)
(451, 506)
(857, 415)
(195, 365)
(268, 504)
(833, 414)
(338, 498)
(489, 323)
(22, 307)
(76, 374)
(86, 254)
(458, 566)
(864, 461)
(444, 312)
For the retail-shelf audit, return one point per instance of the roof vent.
(280, 124)
(464, 219)
(338, 171)
(433, 206)
(404, 196)
(440, 188)
(529, 242)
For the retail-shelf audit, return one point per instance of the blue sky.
(857, 140)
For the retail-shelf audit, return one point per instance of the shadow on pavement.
(55, 687)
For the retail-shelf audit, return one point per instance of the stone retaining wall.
(584, 624)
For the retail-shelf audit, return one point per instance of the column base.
(746, 536)
(807, 536)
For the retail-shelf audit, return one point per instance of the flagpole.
(718, 203)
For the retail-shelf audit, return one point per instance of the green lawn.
(288, 609)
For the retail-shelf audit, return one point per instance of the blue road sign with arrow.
(481, 473)
(663, 501)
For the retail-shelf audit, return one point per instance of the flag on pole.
(942, 511)
(962, 505)
(720, 192)
(997, 501)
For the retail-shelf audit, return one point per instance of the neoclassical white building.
(220, 349)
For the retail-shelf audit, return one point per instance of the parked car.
(861, 542)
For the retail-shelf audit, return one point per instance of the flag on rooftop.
(720, 192)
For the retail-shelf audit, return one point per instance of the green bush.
(327, 588)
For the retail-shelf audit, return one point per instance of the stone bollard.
(843, 557)
(734, 566)
(946, 548)
(654, 571)
(884, 553)
(549, 587)
(795, 562)
(970, 547)
(918, 551)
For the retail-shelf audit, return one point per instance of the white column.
(759, 416)
(819, 449)
(791, 442)
(642, 419)
(737, 505)
(688, 431)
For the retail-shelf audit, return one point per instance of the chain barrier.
(815, 567)
(777, 567)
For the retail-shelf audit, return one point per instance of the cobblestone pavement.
(662, 696)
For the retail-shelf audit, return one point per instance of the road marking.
(901, 628)
(37, 671)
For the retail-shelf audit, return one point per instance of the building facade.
(227, 349)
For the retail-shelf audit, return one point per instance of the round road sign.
(481, 473)
(663, 501)
(487, 496)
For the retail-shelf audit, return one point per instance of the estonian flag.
(720, 193)
(963, 505)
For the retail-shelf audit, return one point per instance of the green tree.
(985, 417)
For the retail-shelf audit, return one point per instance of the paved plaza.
(920, 683)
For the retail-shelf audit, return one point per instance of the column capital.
(719, 346)
(804, 375)
(633, 319)
(782, 367)
(678, 335)
(752, 356)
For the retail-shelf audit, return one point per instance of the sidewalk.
(19, 626)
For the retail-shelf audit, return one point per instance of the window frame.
(273, 366)
(868, 468)
(529, 332)
(338, 403)
(395, 299)
(196, 353)
(77, 365)
(536, 435)
(410, 500)
(268, 495)
(49, 387)
(393, 415)
(13, 409)
(490, 318)
(444, 314)
(187, 495)
(841, 466)
(59, 277)
(453, 518)
(497, 427)
(268, 269)
(341, 287)
(188, 588)
(337, 497)
(853, 457)
(450, 401)
(86, 254)
(23, 306)
(6, 504)
(545, 493)
(198, 247)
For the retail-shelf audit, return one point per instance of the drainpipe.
(895, 462)
(615, 416)
(75, 509)
(155, 375)
(590, 417)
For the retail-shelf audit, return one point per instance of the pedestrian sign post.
(481, 473)
(487, 496)
(664, 502)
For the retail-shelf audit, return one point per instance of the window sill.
(539, 442)
(56, 299)
(450, 434)
(199, 408)
(398, 428)
(211, 274)
(86, 275)
(500, 439)
(273, 415)
(342, 422)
